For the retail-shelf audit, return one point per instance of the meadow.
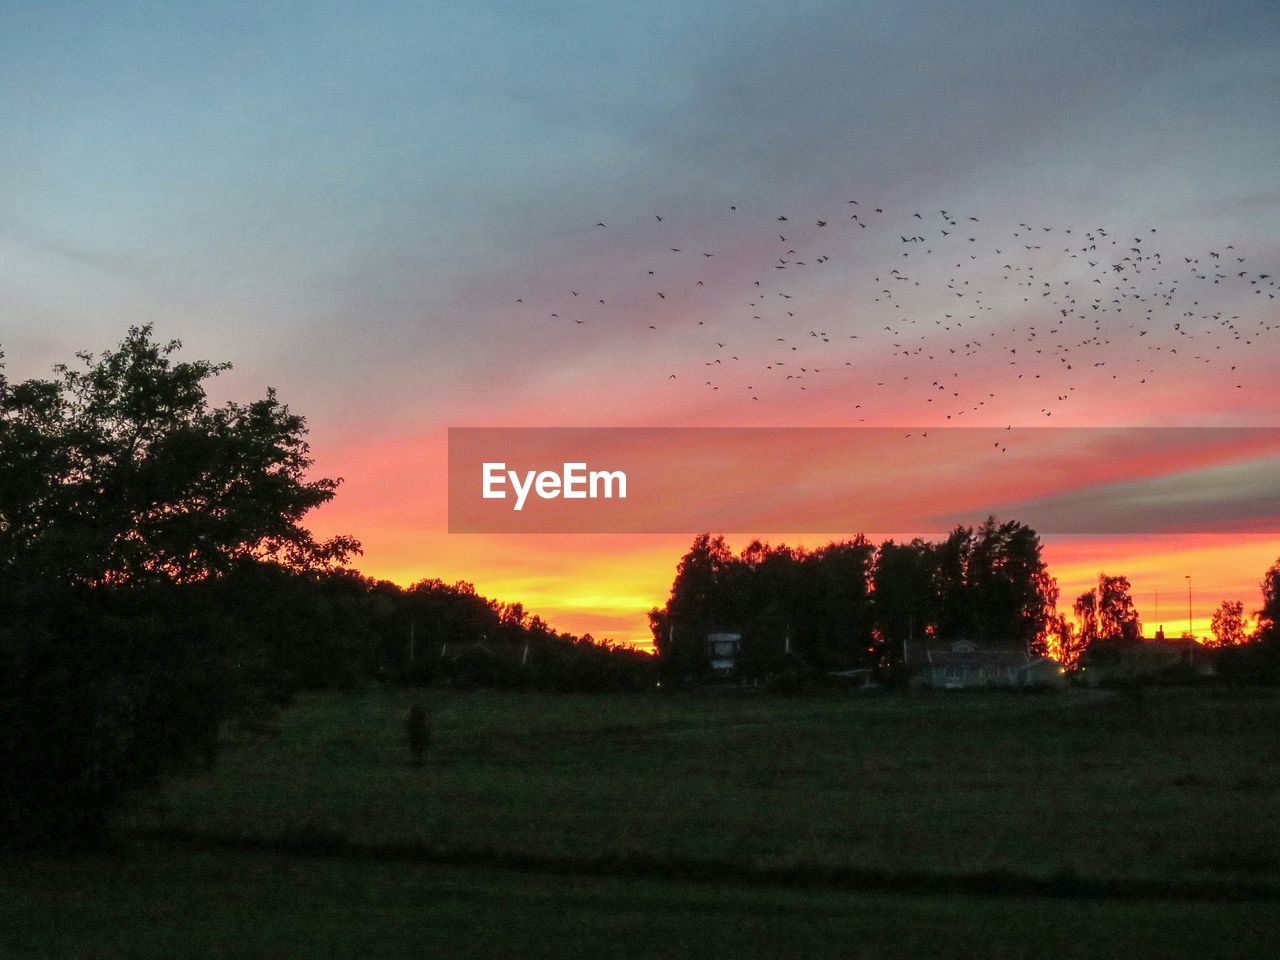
(1082, 823)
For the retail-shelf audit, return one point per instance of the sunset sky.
(384, 211)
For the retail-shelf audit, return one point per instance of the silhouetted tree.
(1228, 624)
(1064, 644)
(1117, 617)
(955, 614)
(1258, 661)
(905, 604)
(768, 585)
(121, 492)
(1085, 608)
(834, 619)
(118, 470)
(695, 606)
(848, 605)
(1012, 596)
(1269, 614)
(1108, 620)
(992, 586)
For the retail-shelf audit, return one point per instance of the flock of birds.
(942, 312)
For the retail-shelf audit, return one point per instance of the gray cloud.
(1240, 497)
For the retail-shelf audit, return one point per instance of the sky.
(382, 210)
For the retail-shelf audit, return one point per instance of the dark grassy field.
(167, 903)
(1078, 824)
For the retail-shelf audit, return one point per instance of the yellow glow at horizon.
(609, 593)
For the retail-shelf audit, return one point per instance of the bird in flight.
(1060, 319)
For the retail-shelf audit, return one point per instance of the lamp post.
(1189, 630)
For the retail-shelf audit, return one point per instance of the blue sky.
(344, 171)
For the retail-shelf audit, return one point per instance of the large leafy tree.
(696, 605)
(118, 470)
(906, 606)
(1228, 624)
(1118, 620)
(992, 586)
(1106, 614)
(1257, 660)
(954, 608)
(1086, 611)
(1064, 645)
(835, 618)
(127, 503)
(1013, 597)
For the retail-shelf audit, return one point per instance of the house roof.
(968, 656)
(978, 659)
(722, 635)
(1170, 643)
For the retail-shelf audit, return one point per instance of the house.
(962, 664)
(1043, 672)
(1176, 656)
(723, 649)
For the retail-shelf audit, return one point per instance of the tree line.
(855, 605)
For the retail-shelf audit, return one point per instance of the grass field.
(162, 904)
(1078, 824)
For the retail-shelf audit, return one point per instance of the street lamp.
(1189, 631)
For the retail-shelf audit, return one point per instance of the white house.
(962, 664)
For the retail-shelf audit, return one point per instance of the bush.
(99, 697)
